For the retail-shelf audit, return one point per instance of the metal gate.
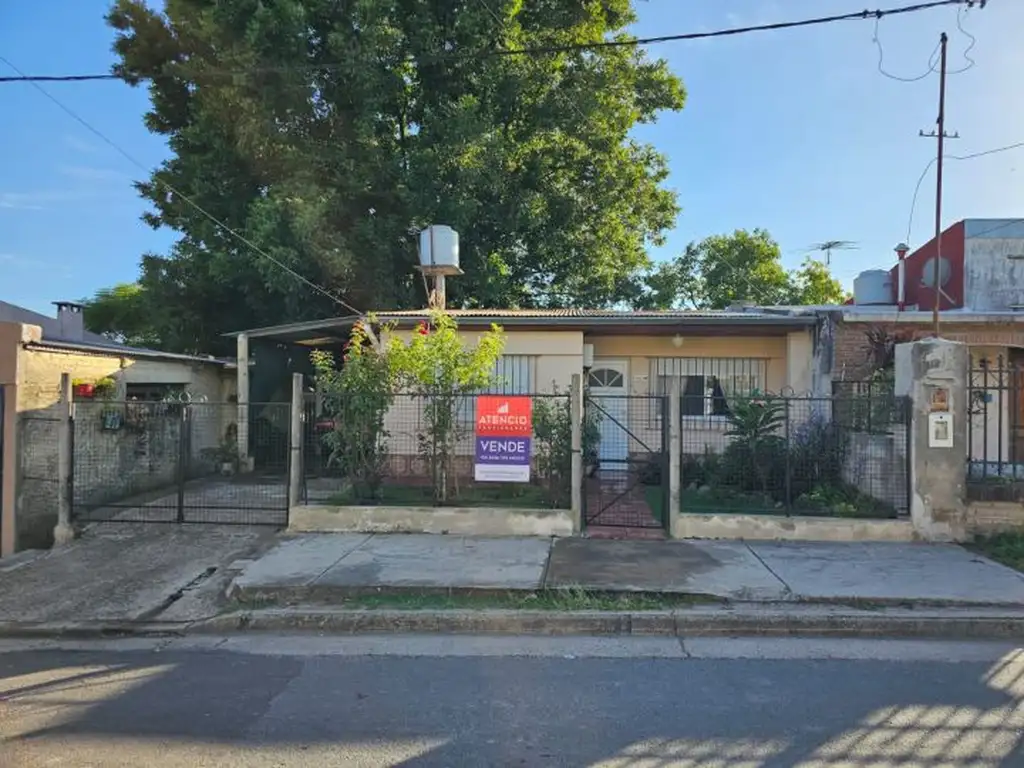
(625, 481)
(177, 462)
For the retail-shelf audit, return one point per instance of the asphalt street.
(274, 701)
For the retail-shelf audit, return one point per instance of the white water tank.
(873, 286)
(439, 250)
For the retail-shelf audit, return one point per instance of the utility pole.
(941, 135)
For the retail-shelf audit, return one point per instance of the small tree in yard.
(358, 396)
(753, 424)
(437, 366)
(552, 432)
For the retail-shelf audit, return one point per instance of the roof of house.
(12, 313)
(90, 343)
(120, 350)
(590, 319)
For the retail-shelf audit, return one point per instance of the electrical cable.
(932, 59)
(928, 167)
(621, 42)
(96, 132)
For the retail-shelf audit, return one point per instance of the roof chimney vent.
(70, 320)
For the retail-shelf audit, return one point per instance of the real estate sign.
(504, 432)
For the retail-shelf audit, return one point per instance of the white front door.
(608, 384)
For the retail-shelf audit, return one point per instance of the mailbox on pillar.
(940, 420)
(940, 430)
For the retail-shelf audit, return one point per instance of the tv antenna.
(832, 245)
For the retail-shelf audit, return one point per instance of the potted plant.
(224, 457)
(83, 388)
(104, 388)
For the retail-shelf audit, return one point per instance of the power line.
(932, 59)
(96, 132)
(881, 55)
(928, 167)
(622, 42)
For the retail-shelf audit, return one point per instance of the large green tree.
(327, 132)
(723, 270)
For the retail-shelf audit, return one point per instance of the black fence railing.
(995, 431)
(844, 456)
(425, 450)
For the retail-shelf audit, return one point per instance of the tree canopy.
(327, 133)
(723, 270)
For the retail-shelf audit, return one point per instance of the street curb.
(260, 597)
(680, 623)
(704, 621)
(92, 630)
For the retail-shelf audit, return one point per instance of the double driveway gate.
(172, 462)
(626, 474)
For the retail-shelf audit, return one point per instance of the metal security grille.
(513, 375)
(173, 462)
(706, 383)
(995, 430)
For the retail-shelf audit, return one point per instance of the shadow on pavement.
(237, 709)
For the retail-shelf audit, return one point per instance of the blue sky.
(793, 131)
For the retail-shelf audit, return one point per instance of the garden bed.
(846, 503)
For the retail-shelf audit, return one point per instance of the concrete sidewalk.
(322, 568)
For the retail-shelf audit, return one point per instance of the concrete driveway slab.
(891, 572)
(124, 572)
(717, 568)
(428, 561)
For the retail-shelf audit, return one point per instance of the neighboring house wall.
(10, 344)
(990, 431)
(850, 347)
(953, 252)
(110, 462)
(994, 266)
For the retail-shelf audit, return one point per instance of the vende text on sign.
(504, 429)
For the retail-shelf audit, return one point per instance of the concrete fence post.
(674, 455)
(242, 398)
(295, 443)
(64, 531)
(8, 466)
(576, 449)
(933, 374)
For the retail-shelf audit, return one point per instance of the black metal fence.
(995, 432)
(844, 456)
(166, 462)
(416, 449)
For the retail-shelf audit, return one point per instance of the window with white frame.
(707, 383)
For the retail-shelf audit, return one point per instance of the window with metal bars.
(513, 375)
(707, 383)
